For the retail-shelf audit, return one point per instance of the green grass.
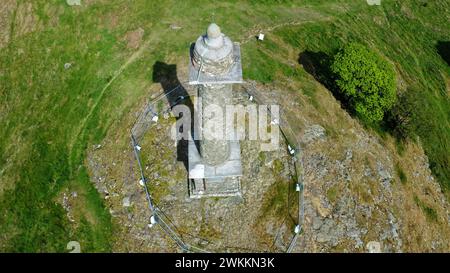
(429, 212)
(332, 194)
(44, 106)
(401, 174)
(49, 116)
(275, 200)
(408, 40)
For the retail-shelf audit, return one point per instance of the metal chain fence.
(157, 217)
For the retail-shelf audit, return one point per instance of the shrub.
(400, 119)
(366, 80)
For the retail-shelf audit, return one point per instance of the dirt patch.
(134, 38)
(6, 15)
(112, 21)
(26, 20)
(23, 18)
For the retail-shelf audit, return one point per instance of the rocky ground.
(361, 195)
(260, 220)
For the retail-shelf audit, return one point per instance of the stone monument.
(215, 163)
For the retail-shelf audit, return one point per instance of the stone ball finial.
(213, 51)
(213, 31)
(214, 37)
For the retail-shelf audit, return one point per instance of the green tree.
(366, 80)
(401, 117)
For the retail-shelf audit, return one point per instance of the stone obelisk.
(214, 168)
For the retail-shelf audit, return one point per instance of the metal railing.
(297, 160)
(143, 124)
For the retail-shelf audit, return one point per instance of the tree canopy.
(366, 80)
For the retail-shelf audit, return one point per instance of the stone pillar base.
(214, 181)
(222, 187)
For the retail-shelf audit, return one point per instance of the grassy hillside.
(408, 34)
(50, 115)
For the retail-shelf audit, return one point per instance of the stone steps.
(229, 186)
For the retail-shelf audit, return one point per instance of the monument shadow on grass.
(176, 94)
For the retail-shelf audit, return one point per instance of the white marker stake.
(261, 37)
(291, 151)
(141, 183)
